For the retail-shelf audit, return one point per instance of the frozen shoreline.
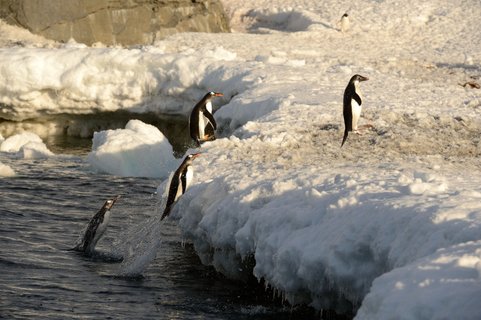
(390, 223)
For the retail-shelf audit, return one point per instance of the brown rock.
(124, 22)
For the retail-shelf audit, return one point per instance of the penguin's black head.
(345, 15)
(358, 78)
(191, 157)
(215, 94)
(110, 203)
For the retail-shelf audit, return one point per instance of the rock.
(124, 22)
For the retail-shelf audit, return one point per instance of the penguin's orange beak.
(218, 94)
(195, 155)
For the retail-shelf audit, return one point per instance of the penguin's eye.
(212, 93)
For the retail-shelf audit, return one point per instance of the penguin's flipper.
(183, 179)
(345, 137)
(174, 184)
(211, 119)
(356, 97)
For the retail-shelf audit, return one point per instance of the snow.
(139, 150)
(25, 145)
(14, 143)
(6, 171)
(389, 226)
(34, 150)
(76, 79)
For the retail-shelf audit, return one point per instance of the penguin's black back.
(178, 181)
(347, 110)
(194, 119)
(92, 229)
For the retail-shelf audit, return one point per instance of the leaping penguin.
(96, 227)
(202, 122)
(352, 105)
(179, 183)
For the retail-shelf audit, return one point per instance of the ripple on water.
(45, 208)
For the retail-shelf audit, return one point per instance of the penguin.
(344, 23)
(202, 122)
(352, 105)
(96, 227)
(180, 181)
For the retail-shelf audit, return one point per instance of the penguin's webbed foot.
(208, 138)
(361, 129)
(359, 133)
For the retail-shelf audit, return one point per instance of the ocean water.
(44, 209)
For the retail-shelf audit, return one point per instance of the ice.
(6, 171)
(34, 150)
(26, 145)
(389, 226)
(16, 142)
(139, 150)
(79, 80)
(430, 287)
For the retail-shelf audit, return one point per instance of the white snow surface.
(15, 142)
(34, 150)
(139, 150)
(25, 145)
(6, 171)
(388, 227)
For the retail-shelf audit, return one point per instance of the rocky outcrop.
(124, 22)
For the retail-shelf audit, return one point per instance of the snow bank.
(6, 171)
(326, 225)
(76, 79)
(139, 150)
(320, 237)
(430, 288)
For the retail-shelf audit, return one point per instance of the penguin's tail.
(345, 137)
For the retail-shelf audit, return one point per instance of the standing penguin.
(352, 105)
(179, 183)
(344, 23)
(96, 227)
(202, 122)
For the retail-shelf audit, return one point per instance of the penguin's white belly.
(208, 106)
(202, 123)
(356, 113)
(189, 177)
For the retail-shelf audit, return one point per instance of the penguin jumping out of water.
(352, 105)
(179, 183)
(96, 227)
(202, 122)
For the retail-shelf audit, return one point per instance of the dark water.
(45, 207)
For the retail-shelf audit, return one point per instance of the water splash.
(141, 242)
